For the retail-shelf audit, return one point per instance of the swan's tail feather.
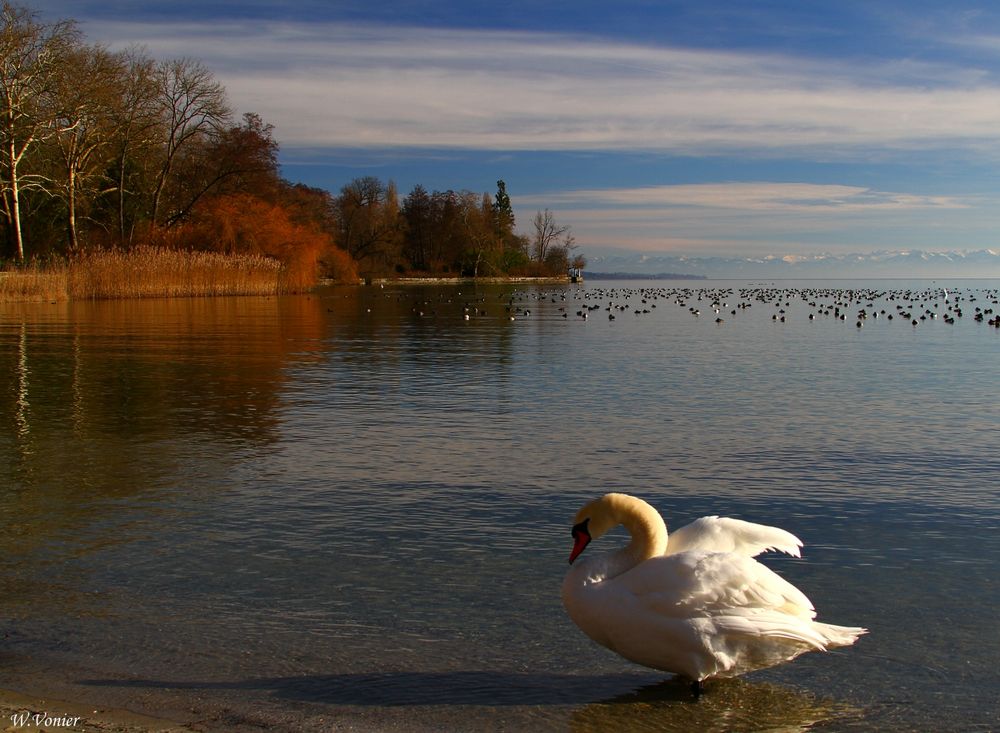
(839, 635)
(817, 635)
(775, 626)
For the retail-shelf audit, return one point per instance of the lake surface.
(351, 510)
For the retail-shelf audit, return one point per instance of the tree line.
(457, 232)
(102, 149)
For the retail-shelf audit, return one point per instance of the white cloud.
(345, 86)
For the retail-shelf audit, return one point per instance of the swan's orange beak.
(581, 538)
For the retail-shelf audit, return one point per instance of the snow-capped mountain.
(983, 263)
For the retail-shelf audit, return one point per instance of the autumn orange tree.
(244, 223)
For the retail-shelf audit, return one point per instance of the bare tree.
(370, 223)
(416, 215)
(82, 128)
(477, 229)
(31, 60)
(193, 106)
(547, 234)
(239, 158)
(137, 128)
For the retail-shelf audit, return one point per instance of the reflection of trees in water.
(150, 369)
(727, 705)
(102, 401)
(378, 335)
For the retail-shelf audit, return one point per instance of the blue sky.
(687, 127)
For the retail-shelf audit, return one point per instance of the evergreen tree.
(503, 214)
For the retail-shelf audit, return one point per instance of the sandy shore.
(25, 714)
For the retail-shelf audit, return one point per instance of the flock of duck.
(858, 305)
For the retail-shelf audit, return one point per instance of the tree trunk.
(15, 197)
(121, 201)
(71, 205)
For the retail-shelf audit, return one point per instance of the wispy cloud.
(759, 217)
(754, 197)
(335, 85)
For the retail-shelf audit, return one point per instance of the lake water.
(351, 511)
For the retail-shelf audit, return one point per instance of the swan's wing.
(713, 584)
(723, 534)
(700, 614)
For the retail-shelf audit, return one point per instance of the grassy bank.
(145, 272)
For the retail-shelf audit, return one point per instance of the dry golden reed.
(34, 283)
(157, 272)
(147, 272)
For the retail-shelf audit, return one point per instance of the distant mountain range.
(983, 263)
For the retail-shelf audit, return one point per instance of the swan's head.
(595, 519)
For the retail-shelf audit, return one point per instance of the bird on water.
(695, 603)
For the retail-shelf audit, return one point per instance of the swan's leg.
(697, 688)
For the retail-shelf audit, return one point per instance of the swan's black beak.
(581, 538)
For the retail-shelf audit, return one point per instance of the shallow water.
(353, 508)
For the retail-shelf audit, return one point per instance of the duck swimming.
(695, 603)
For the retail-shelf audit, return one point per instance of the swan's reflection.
(727, 705)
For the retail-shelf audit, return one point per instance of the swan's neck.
(648, 539)
(648, 531)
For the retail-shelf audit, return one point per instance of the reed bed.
(34, 283)
(157, 272)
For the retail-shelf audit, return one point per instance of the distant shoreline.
(432, 279)
(638, 276)
(437, 280)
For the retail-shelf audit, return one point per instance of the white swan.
(697, 605)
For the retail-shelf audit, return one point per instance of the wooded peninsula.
(122, 176)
